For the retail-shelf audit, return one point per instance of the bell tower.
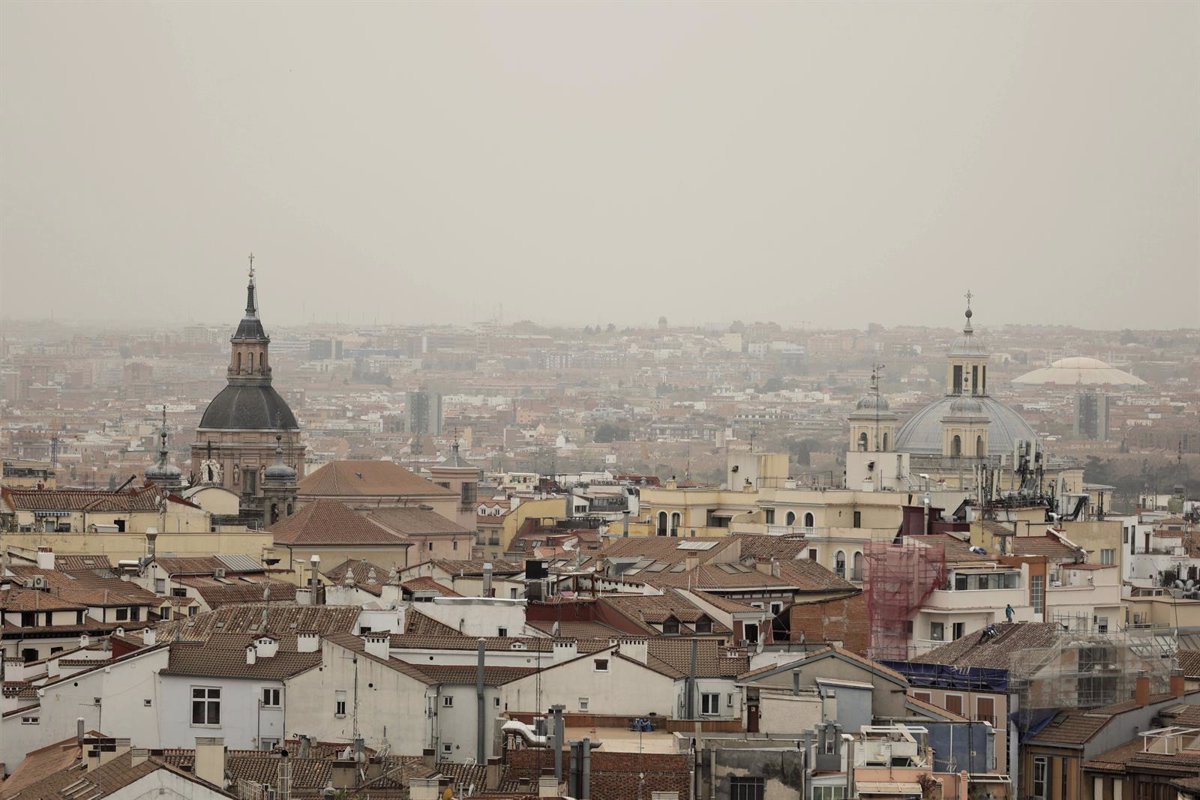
(967, 368)
(248, 355)
(872, 423)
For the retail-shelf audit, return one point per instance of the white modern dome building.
(1079, 371)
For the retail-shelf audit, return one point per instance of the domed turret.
(163, 473)
(872, 423)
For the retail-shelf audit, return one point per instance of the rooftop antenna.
(875, 370)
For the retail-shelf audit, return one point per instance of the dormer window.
(704, 626)
(671, 626)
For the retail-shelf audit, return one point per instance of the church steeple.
(967, 368)
(248, 359)
(164, 474)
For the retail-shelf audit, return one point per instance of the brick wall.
(840, 620)
(615, 776)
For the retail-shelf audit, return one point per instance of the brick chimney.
(1141, 690)
(1178, 684)
(210, 760)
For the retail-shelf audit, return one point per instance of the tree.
(608, 432)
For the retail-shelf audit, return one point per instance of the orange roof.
(367, 479)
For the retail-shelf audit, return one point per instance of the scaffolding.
(899, 579)
(1086, 669)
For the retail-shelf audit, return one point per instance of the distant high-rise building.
(1091, 415)
(324, 349)
(424, 413)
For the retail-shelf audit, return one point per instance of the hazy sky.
(832, 164)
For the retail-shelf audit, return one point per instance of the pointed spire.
(162, 451)
(251, 298)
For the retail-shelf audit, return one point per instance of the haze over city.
(821, 164)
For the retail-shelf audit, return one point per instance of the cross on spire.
(968, 295)
(252, 266)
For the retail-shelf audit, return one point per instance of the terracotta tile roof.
(465, 674)
(418, 624)
(70, 562)
(474, 567)
(1047, 545)
(414, 521)
(81, 500)
(726, 604)
(667, 548)
(351, 479)
(578, 630)
(829, 651)
(649, 610)
(235, 592)
(998, 652)
(764, 548)
(366, 575)
(427, 584)
(712, 660)
(201, 565)
(36, 600)
(218, 658)
(957, 551)
(1072, 728)
(73, 781)
(247, 619)
(328, 522)
(935, 712)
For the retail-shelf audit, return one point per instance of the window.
(704, 626)
(862, 442)
(790, 519)
(954, 704)
(662, 523)
(959, 630)
(447, 748)
(924, 697)
(770, 516)
(747, 788)
(583, 704)
(122, 615)
(812, 554)
(601, 664)
(858, 519)
(160, 585)
(985, 709)
(178, 592)
(268, 744)
(710, 703)
(839, 562)
(339, 703)
(448, 701)
(1040, 770)
(956, 446)
(751, 630)
(270, 698)
(502, 632)
(1108, 556)
(455, 543)
(1037, 592)
(206, 705)
(31, 719)
(829, 792)
(776, 608)
(671, 626)
(1101, 624)
(937, 631)
(809, 519)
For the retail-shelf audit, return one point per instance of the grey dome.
(280, 472)
(922, 433)
(872, 402)
(966, 407)
(250, 328)
(163, 473)
(248, 407)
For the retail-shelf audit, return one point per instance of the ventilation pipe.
(559, 734)
(487, 579)
(481, 720)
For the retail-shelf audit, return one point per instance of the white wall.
(393, 708)
(456, 725)
(479, 618)
(243, 721)
(628, 688)
(124, 688)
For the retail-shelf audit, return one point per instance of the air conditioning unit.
(39, 582)
(219, 573)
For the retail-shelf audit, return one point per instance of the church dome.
(280, 473)
(872, 402)
(922, 433)
(966, 407)
(251, 407)
(1077, 371)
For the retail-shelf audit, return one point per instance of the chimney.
(548, 786)
(763, 566)
(251, 654)
(266, 646)
(1178, 684)
(84, 640)
(429, 757)
(487, 579)
(305, 746)
(633, 648)
(345, 774)
(492, 774)
(45, 558)
(423, 789)
(691, 563)
(138, 756)
(1141, 690)
(149, 636)
(565, 650)
(774, 568)
(210, 760)
(307, 641)
(378, 644)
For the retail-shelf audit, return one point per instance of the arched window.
(856, 573)
(979, 450)
(956, 446)
(251, 355)
(239, 362)
(675, 524)
(790, 519)
(809, 519)
(839, 564)
(862, 442)
(662, 523)
(885, 442)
